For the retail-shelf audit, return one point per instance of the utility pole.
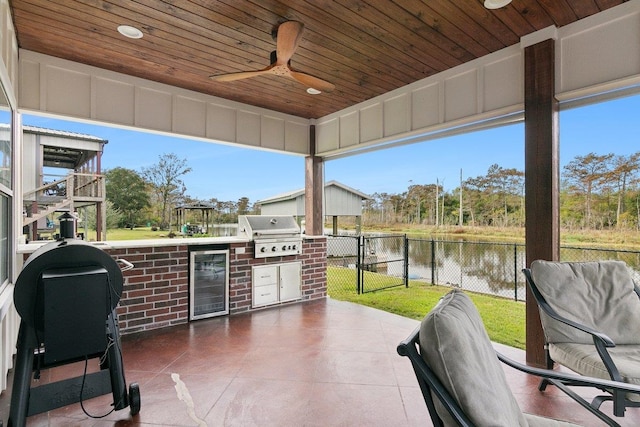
(437, 203)
(460, 222)
(442, 210)
(410, 185)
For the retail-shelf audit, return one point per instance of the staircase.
(65, 194)
(44, 210)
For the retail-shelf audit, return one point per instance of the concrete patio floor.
(320, 363)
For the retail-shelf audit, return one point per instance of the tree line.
(597, 192)
(151, 196)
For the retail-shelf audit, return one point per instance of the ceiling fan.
(288, 37)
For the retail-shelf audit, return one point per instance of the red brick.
(166, 317)
(139, 279)
(139, 307)
(157, 311)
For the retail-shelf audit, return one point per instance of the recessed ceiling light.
(496, 4)
(129, 31)
(313, 91)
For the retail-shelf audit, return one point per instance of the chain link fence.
(358, 264)
(490, 268)
(363, 264)
(342, 260)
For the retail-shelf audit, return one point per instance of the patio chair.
(460, 376)
(590, 313)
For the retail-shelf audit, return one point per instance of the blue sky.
(229, 173)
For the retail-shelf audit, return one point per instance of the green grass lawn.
(504, 319)
(138, 233)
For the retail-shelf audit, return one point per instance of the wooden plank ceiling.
(364, 47)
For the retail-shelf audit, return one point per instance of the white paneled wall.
(76, 91)
(491, 86)
(599, 53)
(9, 320)
(8, 51)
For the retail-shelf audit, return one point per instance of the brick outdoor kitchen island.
(158, 290)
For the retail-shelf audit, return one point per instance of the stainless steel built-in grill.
(273, 235)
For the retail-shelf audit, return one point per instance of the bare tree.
(585, 175)
(625, 169)
(164, 177)
(243, 206)
(508, 184)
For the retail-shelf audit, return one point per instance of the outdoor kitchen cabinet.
(290, 281)
(276, 283)
(265, 285)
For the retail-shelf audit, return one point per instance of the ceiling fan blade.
(313, 82)
(288, 38)
(230, 77)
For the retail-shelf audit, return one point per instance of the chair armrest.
(573, 379)
(430, 383)
(544, 306)
(404, 348)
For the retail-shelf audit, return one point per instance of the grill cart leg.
(116, 369)
(21, 380)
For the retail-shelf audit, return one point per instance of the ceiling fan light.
(496, 4)
(312, 91)
(130, 32)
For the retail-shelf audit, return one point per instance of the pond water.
(223, 230)
(491, 268)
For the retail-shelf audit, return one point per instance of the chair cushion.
(596, 294)
(455, 345)
(584, 359)
(536, 421)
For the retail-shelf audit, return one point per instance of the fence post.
(515, 271)
(406, 261)
(359, 243)
(433, 261)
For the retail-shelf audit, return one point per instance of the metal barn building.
(338, 200)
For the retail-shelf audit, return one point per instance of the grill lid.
(256, 226)
(57, 256)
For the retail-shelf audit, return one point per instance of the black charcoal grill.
(66, 295)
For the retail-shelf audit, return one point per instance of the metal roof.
(296, 193)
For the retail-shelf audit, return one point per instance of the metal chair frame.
(600, 341)
(430, 384)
